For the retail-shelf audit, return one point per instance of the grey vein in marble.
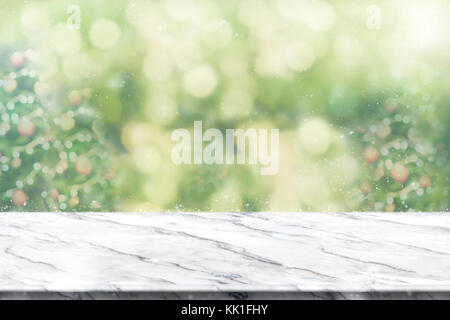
(224, 252)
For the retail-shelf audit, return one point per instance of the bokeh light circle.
(104, 33)
(315, 136)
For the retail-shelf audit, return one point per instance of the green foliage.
(51, 158)
(274, 64)
(405, 163)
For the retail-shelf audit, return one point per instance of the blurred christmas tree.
(51, 158)
(404, 158)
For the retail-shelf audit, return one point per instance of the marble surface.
(218, 295)
(170, 252)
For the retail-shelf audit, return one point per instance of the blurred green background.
(359, 90)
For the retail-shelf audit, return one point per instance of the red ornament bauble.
(15, 163)
(383, 131)
(83, 165)
(425, 181)
(75, 97)
(365, 188)
(54, 194)
(25, 127)
(399, 173)
(19, 198)
(391, 105)
(16, 59)
(371, 154)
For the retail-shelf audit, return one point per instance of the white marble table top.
(224, 251)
